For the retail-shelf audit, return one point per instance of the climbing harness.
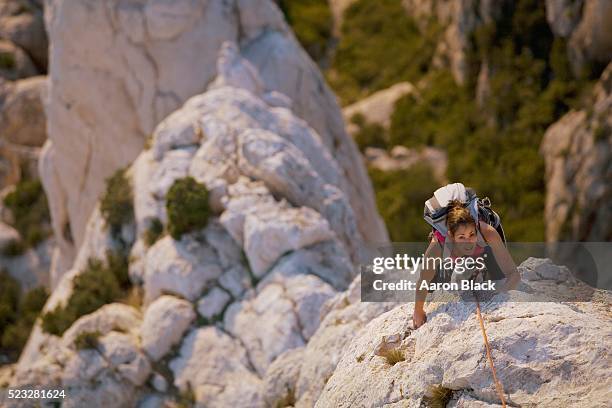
(498, 385)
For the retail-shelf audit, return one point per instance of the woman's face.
(465, 238)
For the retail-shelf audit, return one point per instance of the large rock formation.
(592, 39)
(117, 69)
(578, 150)
(22, 119)
(22, 128)
(459, 19)
(378, 107)
(583, 23)
(539, 348)
(282, 240)
(21, 22)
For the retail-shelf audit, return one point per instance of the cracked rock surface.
(261, 307)
(221, 303)
(150, 57)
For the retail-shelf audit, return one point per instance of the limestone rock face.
(459, 18)
(583, 23)
(563, 16)
(144, 69)
(178, 267)
(16, 64)
(591, 41)
(164, 323)
(22, 118)
(378, 107)
(535, 362)
(106, 371)
(577, 150)
(401, 157)
(22, 22)
(280, 240)
(31, 269)
(225, 380)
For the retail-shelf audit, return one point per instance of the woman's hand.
(418, 318)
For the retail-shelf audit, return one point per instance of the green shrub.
(28, 206)
(312, 22)
(7, 60)
(17, 314)
(9, 299)
(13, 248)
(444, 113)
(379, 46)
(100, 283)
(187, 207)
(87, 340)
(400, 196)
(368, 134)
(116, 204)
(153, 232)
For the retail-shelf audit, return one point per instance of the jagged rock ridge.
(150, 57)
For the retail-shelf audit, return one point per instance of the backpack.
(436, 209)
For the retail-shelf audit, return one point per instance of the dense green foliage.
(7, 60)
(368, 134)
(443, 113)
(116, 203)
(30, 215)
(187, 207)
(100, 283)
(17, 314)
(493, 146)
(400, 196)
(311, 21)
(380, 46)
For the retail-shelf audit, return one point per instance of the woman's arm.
(502, 256)
(426, 274)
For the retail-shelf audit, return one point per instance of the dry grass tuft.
(438, 397)
(393, 356)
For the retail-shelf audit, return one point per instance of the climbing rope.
(498, 385)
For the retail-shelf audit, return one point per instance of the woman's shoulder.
(487, 231)
(484, 227)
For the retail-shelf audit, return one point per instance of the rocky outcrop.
(30, 268)
(338, 7)
(591, 40)
(578, 178)
(280, 241)
(14, 62)
(378, 107)
(563, 16)
(22, 22)
(459, 19)
(401, 158)
(22, 118)
(539, 348)
(152, 58)
(164, 324)
(583, 23)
